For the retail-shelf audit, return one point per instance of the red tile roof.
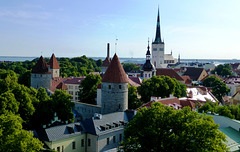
(62, 86)
(115, 72)
(132, 83)
(136, 80)
(106, 62)
(169, 72)
(171, 101)
(41, 67)
(76, 80)
(187, 79)
(53, 62)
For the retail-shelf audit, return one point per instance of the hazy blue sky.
(193, 28)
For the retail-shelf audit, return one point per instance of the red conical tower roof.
(41, 67)
(53, 62)
(115, 72)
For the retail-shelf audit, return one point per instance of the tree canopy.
(88, 88)
(133, 101)
(223, 70)
(161, 128)
(161, 86)
(13, 138)
(219, 89)
(130, 66)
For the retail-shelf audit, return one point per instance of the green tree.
(8, 103)
(219, 89)
(88, 88)
(209, 106)
(161, 128)
(224, 111)
(62, 105)
(161, 86)
(133, 101)
(130, 66)
(13, 138)
(223, 70)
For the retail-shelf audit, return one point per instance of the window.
(114, 139)
(120, 137)
(145, 75)
(107, 141)
(149, 75)
(120, 87)
(62, 148)
(82, 142)
(71, 92)
(70, 87)
(58, 148)
(76, 98)
(74, 145)
(119, 106)
(89, 142)
(76, 93)
(109, 87)
(76, 87)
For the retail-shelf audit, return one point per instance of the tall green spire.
(158, 39)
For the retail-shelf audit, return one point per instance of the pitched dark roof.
(169, 72)
(148, 66)
(115, 72)
(106, 62)
(41, 67)
(76, 80)
(61, 86)
(194, 73)
(53, 62)
(96, 126)
(60, 132)
(158, 39)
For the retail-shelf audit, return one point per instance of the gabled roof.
(61, 86)
(41, 67)
(96, 126)
(76, 80)
(136, 80)
(115, 72)
(60, 132)
(194, 73)
(169, 72)
(53, 62)
(187, 79)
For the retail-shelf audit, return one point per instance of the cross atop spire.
(158, 39)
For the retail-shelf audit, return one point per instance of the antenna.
(116, 45)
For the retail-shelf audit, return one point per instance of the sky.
(195, 29)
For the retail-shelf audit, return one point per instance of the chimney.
(108, 49)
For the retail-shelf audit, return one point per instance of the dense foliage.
(78, 66)
(130, 66)
(13, 138)
(88, 89)
(223, 70)
(219, 88)
(133, 101)
(231, 111)
(161, 86)
(161, 128)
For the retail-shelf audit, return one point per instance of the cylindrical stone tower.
(41, 75)
(114, 88)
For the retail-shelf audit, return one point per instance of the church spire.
(158, 39)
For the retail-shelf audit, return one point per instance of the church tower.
(54, 66)
(148, 69)
(41, 75)
(158, 47)
(114, 88)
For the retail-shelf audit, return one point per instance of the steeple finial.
(158, 39)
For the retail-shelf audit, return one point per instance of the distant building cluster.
(101, 127)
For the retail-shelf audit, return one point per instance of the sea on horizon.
(125, 60)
